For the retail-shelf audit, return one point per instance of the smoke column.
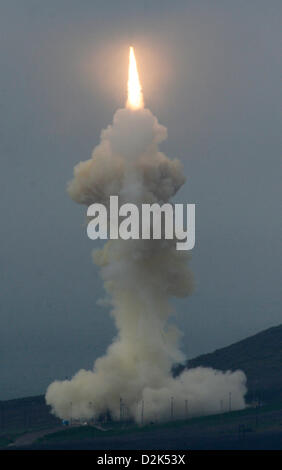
(140, 277)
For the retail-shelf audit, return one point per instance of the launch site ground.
(252, 428)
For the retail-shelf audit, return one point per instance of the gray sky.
(211, 72)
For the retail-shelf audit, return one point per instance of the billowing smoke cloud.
(140, 277)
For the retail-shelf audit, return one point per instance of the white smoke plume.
(140, 277)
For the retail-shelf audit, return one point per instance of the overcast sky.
(211, 72)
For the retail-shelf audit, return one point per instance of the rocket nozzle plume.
(134, 89)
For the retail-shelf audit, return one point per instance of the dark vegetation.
(25, 414)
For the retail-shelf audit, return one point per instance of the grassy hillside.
(259, 356)
(25, 413)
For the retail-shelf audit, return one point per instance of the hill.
(259, 356)
(22, 414)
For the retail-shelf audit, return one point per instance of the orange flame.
(134, 89)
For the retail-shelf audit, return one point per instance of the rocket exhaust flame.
(134, 89)
(140, 277)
